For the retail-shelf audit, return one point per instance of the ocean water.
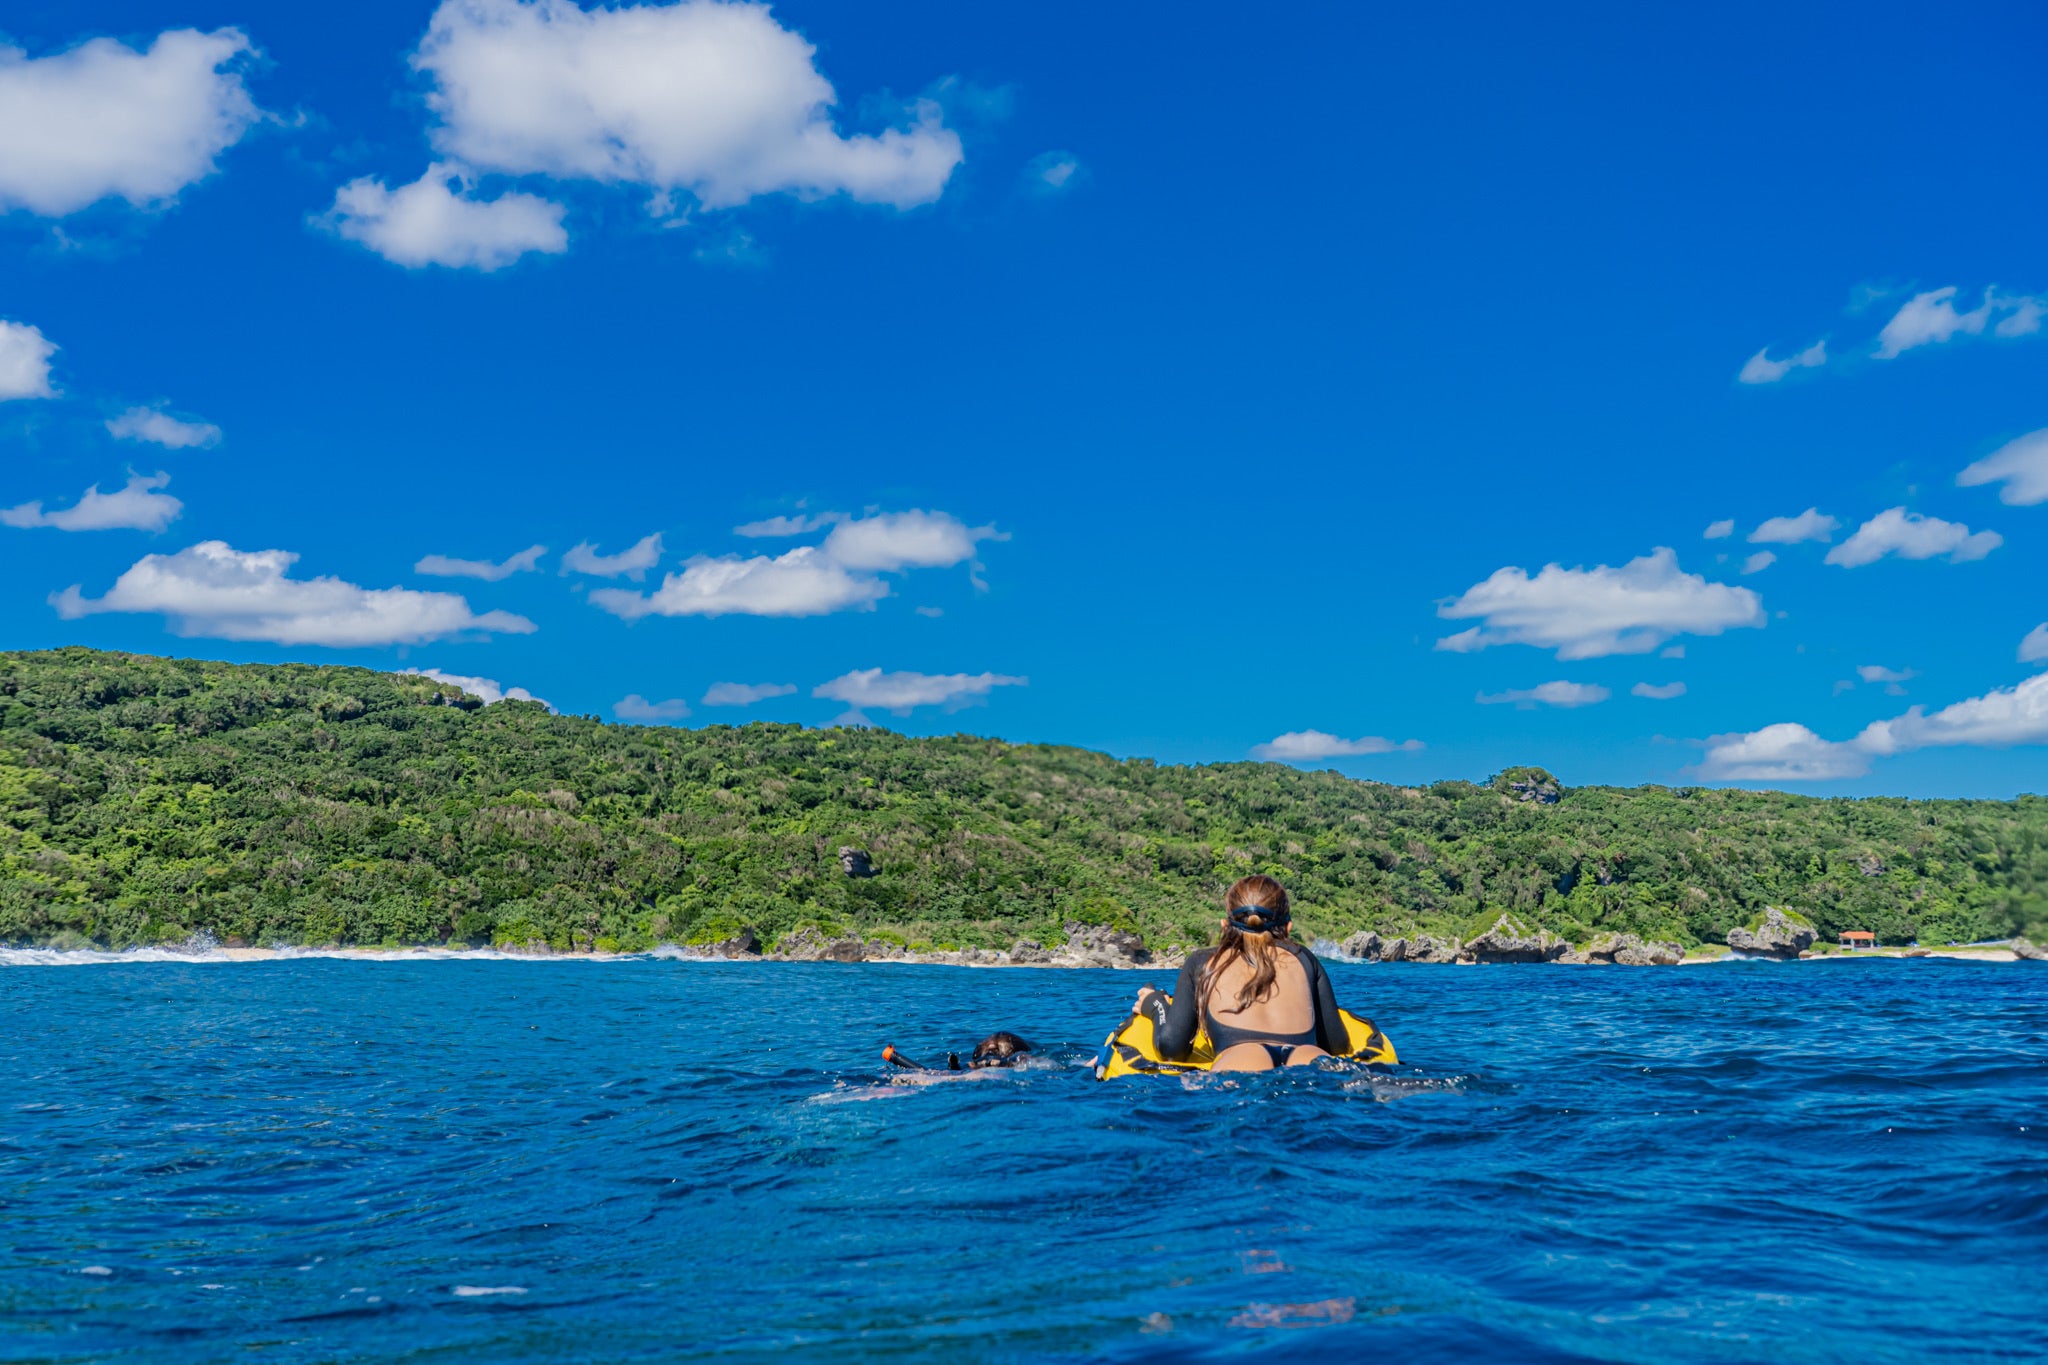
(652, 1159)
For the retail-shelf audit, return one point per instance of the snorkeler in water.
(999, 1049)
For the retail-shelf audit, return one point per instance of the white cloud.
(24, 361)
(429, 223)
(803, 582)
(1758, 562)
(1910, 535)
(811, 580)
(892, 541)
(1560, 694)
(485, 690)
(1931, 318)
(1996, 720)
(1780, 753)
(1871, 673)
(160, 428)
(2021, 465)
(779, 528)
(105, 121)
(1719, 530)
(136, 507)
(716, 100)
(632, 563)
(2034, 649)
(1672, 652)
(900, 692)
(1787, 752)
(441, 566)
(1812, 524)
(1761, 369)
(637, 707)
(217, 591)
(1052, 172)
(1658, 691)
(1587, 613)
(745, 694)
(1298, 746)
(2025, 318)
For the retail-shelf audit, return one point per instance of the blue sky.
(1175, 381)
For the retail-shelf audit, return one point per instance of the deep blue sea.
(651, 1159)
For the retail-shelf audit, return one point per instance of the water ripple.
(448, 1157)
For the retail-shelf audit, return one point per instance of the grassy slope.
(143, 798)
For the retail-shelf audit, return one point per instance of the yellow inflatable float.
(1131, 1051)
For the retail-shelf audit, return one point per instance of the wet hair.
(1258, 912)
(999, 1049)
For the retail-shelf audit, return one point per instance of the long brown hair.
(1253, 942)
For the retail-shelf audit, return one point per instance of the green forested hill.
(142, 799)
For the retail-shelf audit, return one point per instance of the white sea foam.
(478, 1291)
(94, 1270)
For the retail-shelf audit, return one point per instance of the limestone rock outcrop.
(1099, 945)
(1626, 950)
(1363, 946)
(1776, 936)
(1511, 941)
(2028, 951)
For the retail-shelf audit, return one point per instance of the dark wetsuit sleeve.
(1174, 1026)
(1331, 1035)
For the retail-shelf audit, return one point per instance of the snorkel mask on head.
(1258, 919)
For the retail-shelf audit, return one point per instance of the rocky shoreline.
(1776, 936)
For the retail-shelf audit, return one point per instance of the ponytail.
(1259, 912)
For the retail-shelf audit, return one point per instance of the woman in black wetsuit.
(1264, 999)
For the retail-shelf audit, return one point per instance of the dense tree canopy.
(143, 799)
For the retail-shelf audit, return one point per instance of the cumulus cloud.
(217, 591)
(892, 541)
(107, 121)
(441, 566)
(1997, 720)
(1658, 691)
(637, 707)
(1300, 746)
(632, 563)
(1787, 752)
(24, 361)
(1587, 613)
(438, 220)
(842, 574)
(780, 528)
(136, 507)
(158, 427)
(707, 98)
(1780, 753)
(1931, 318)
(485, 690)
(1560, 694)
(1758, 562)
(2034, 649)
(1761, 369)
(901, 692)
(803, 582)
(1719, 530)
(1811, 524)
(745, 694)
(2020, 466)
(1910, 535)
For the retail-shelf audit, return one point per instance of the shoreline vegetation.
(146, 800)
